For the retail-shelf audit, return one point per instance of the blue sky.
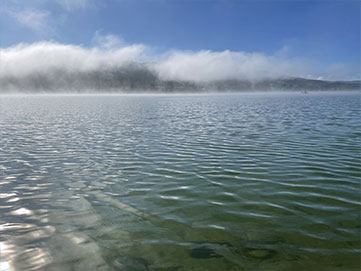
(321, 33)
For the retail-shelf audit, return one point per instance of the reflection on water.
(232, 182)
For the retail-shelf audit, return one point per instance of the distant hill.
(296, 84)
(140, 78)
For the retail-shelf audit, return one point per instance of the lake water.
(180, 182)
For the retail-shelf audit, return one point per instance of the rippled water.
(218, 182)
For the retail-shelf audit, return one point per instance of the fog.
(111, 63)
(25, 59)
(208, 65)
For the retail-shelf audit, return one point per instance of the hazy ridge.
(137, 77)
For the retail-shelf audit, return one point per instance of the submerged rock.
(131, 263)
(173, 268)
(259, 253)
(204, 253)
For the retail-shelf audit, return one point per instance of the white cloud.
(31, 18)
(35, 14)
(66, 4)
(108, 41)
(73, 4)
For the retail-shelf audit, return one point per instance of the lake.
(253, 181)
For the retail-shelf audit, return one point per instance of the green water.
(182, 182)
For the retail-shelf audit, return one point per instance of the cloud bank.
(111, 52)
(111, 63)
(208, 65)
(26, 59)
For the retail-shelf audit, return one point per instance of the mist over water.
(111, 66)
(184, 182)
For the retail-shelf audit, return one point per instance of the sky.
(189, 39)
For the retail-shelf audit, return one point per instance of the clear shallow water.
(219, 182)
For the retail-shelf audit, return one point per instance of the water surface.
(218, 182)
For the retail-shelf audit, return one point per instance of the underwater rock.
(259, 253)
(204, 253)
(131, 263)
(173, 268)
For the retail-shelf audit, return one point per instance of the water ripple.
(237, 182)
